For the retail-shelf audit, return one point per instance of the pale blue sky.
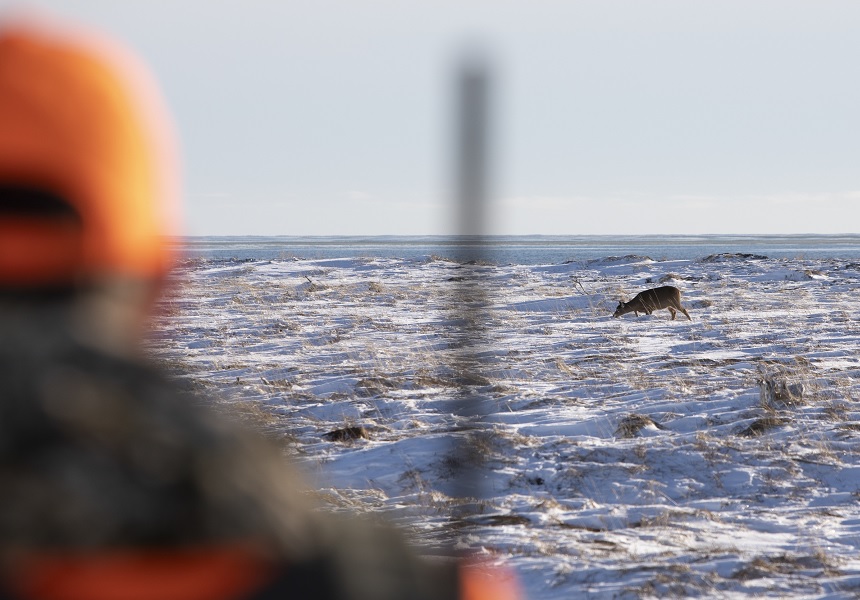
(610, 116)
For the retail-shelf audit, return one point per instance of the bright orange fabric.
(78, 118)
(33, 250)
(483, 582)
(203, 574)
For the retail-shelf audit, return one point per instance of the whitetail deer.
(654, 299)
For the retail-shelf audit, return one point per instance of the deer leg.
(680, 307)
(671, 310)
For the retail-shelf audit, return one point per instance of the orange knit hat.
(79, 121)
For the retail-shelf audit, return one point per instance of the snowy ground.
(630, 457)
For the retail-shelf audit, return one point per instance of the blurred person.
(114, 482)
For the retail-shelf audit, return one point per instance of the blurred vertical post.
(471, 152)
(469, 310)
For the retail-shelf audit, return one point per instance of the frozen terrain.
(630, 457)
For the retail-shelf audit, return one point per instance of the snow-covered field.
(629, 457)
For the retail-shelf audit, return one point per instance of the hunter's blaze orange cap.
(82, 129)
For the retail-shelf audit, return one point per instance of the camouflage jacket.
(98, 452)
